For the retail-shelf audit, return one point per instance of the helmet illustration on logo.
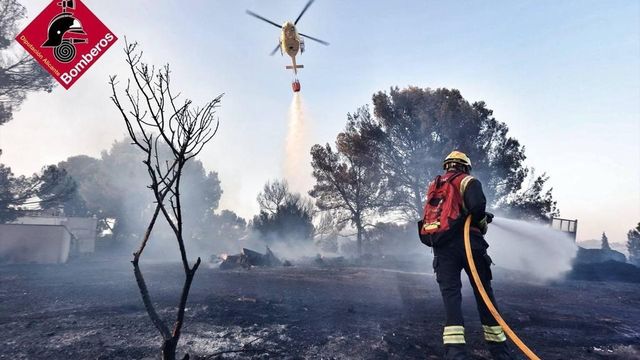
(65, 30)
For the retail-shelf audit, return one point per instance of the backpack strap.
(463, 187)
(453, 177)
(464, 183)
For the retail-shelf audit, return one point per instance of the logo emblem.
(66, 39)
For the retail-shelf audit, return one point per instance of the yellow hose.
(476, 279)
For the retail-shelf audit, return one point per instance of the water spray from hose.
(534, 249)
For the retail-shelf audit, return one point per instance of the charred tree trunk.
(169, 348)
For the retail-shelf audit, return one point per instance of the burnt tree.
(156, 119)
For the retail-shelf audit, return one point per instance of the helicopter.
(291, 42)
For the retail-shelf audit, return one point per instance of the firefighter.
(449, 260)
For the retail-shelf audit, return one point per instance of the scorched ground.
(94, 311)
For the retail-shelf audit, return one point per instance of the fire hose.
(487, 301)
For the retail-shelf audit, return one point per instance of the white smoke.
(297, 164)
(536, 250)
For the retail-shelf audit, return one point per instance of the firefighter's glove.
(483, 225)
(489, 216)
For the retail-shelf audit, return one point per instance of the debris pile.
(605, 271)
(591, 256)
(322, 260)
(249, 258)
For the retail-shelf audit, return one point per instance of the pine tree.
(605, 242)
(416, 128)
(348, 181)
(20, 74)
(633, 245)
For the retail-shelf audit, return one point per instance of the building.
(83, 229)
(47, 239)
(34, 244)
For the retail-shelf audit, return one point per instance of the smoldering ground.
(93, 311)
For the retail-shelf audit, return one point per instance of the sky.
(564, 76)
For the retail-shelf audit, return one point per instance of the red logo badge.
(66, 39)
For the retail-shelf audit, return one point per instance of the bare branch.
(156, 124)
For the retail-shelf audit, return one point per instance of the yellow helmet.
(458, 158)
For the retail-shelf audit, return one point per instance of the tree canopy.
(49, 189)
(382, 163)
(284, 215)
(605, 242)
(110, 187)
(349, 181)
(19, 72)
(420, 127)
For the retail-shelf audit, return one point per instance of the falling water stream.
(297, 164)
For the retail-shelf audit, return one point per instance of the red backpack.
(443, 209)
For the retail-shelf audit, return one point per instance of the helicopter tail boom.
(294, 68)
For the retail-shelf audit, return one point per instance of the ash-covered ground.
(93, 311)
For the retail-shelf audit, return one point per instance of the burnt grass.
(92, 310)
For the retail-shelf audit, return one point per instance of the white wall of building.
(34, 244)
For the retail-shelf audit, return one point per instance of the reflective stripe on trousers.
(494, 333)
(453, 335)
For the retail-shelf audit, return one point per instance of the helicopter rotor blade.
(264, 19)
(275, 50)
(303, 11)
(314, 39)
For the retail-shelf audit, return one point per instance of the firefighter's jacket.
(475, 204)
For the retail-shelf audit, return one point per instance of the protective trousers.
(448, 262)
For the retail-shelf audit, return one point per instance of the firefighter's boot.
(456, 352)
(499, 350)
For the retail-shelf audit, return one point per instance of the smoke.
(295, 250)
(297, 164)
(536, 250)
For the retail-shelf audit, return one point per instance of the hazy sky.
(564, 75)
